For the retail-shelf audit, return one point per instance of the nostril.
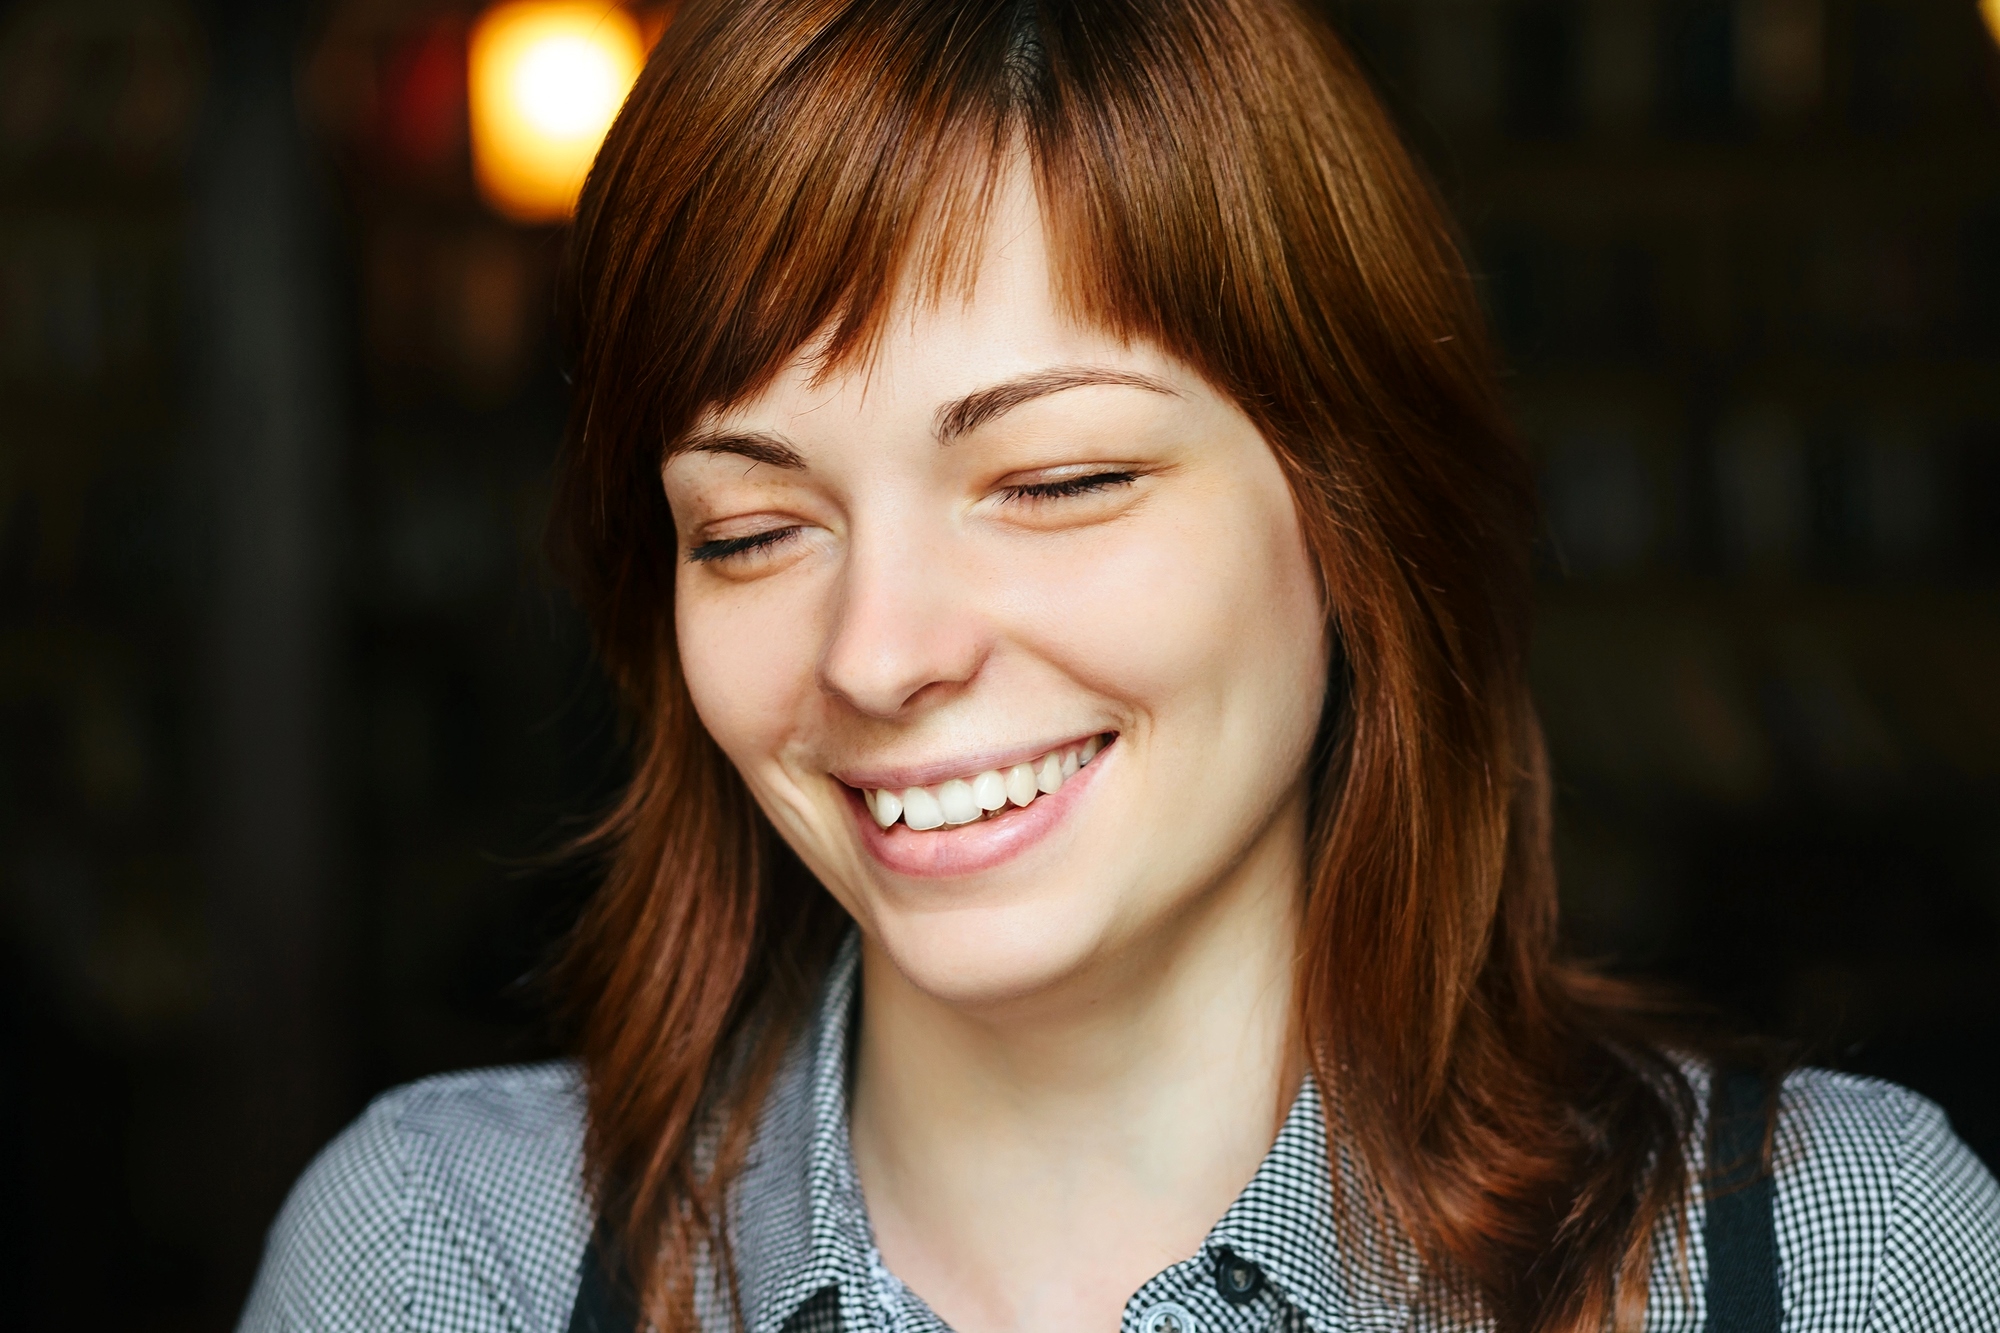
(901, 640)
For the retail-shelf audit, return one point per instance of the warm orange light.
(1990, 11)
(545, 79)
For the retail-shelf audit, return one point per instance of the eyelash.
(1070, 486)
(731, 547)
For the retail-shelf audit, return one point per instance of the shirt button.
(1237, 1278)
(1167, 1317)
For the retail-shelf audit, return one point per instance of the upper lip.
(898, 776)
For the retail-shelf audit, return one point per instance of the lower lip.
(967, 849)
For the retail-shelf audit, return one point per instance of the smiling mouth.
(990, 795)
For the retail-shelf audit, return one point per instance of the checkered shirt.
(456, 1205)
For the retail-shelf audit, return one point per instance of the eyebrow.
(982, 405)
(757, 446)
(954, 419)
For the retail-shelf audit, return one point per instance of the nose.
(904, 631)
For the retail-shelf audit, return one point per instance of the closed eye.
(1088, 484)
(729, 547)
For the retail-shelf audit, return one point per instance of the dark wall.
(1742, 258)
(292, 714)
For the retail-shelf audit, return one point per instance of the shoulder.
(453, 1203)
(1885, 1219)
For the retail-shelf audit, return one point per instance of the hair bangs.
(860, 175)
(844, 167)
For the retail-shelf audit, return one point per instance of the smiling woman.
(1017, 540)
(1038, 479)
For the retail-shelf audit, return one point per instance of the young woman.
(1038, 479)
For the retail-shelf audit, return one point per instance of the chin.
(973, 957)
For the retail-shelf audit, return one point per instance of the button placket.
(1168, 1317)
(1237, 1280)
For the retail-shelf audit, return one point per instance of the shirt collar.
(1361, 1275)
(799, 1226)
(798, 1223)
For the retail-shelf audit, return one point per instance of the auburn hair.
(1215, 177)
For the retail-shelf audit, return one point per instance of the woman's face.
(915, 598)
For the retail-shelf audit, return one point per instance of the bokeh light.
(545, 79)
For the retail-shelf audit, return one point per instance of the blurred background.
(292, 714)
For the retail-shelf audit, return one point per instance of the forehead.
(1002, 320)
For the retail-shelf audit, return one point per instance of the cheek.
(1214, 601)
(746, 659)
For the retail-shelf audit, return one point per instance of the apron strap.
(604, 1303)
(1740, 1233)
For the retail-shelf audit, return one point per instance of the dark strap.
(1741, 1237)
(604, 1302)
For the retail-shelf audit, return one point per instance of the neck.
(1032, 1163)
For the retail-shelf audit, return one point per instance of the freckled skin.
(1023, 1023)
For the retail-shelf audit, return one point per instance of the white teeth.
(921, 810)
(956, 799)
(989, 789)
(963, 800)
